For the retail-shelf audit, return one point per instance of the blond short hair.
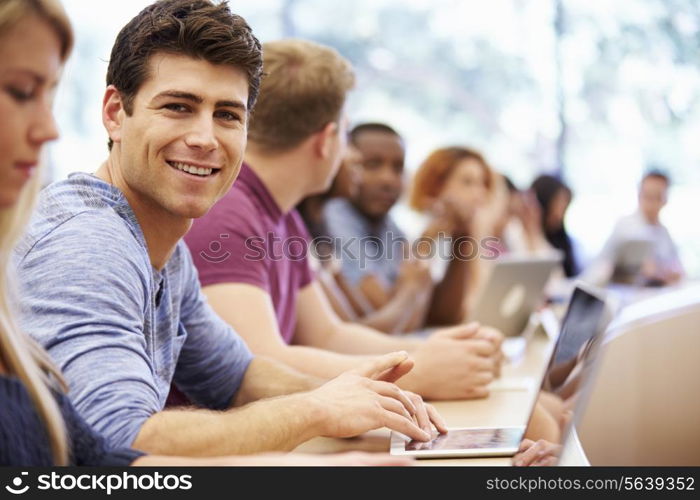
(303, 89)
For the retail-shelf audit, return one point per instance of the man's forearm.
(352, 338)
(274, 424)
(293, 369)
(447, 304)
(269, 378)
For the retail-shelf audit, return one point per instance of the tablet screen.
(470, 439)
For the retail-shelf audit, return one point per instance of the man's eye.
(178, 108)
(228, 116)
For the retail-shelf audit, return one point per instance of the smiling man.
(110, 289)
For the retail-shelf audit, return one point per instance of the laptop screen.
(570, 359)
(581, 323)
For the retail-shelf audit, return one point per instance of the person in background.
(663, 265)
(364, 223)
(38, 424)
(347, 301)
(375, 258)
(259, 279)
(520, 228)
(554, 198)
(465, 200)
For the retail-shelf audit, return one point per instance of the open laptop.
(629, 258)
(512, 292)
(568, 365)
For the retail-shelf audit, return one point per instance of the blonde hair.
(303, 89)
(23, 357)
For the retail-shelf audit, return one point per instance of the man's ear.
(113, 113)
(325, 140)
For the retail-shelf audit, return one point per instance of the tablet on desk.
(471, 442)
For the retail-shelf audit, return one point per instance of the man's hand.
(496, 338)
(540, 453)
(457, 363)
(426, 415)
(365, 398)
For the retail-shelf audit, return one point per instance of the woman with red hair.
(464, 199)
(457, 178)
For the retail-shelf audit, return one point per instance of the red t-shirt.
(245, 238)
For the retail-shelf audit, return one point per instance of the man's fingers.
(381, 364)
(482, 364)
(525, 444)
(525, 458)
(483, 378)
(461, 332)
(395, 406)
(421, 415)
(547, 455)
(390, 390)
(396, 372)
(407, 427)
(537, 451)
(436, 419)
(490, 334)
(481, 347)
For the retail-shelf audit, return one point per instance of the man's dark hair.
(371, 127)
(657, 173)
(199, 29)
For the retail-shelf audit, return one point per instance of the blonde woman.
(38, 424)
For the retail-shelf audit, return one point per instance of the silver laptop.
(512, 292)
(568, 365)
(630, 256)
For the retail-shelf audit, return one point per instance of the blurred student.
(257, 275)
(663, 265)
(520, 228)
(110, 290)
(391, 271)
(465, 200)
(374, 248)
(554, 198)
(347, 301)
(38, 424)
